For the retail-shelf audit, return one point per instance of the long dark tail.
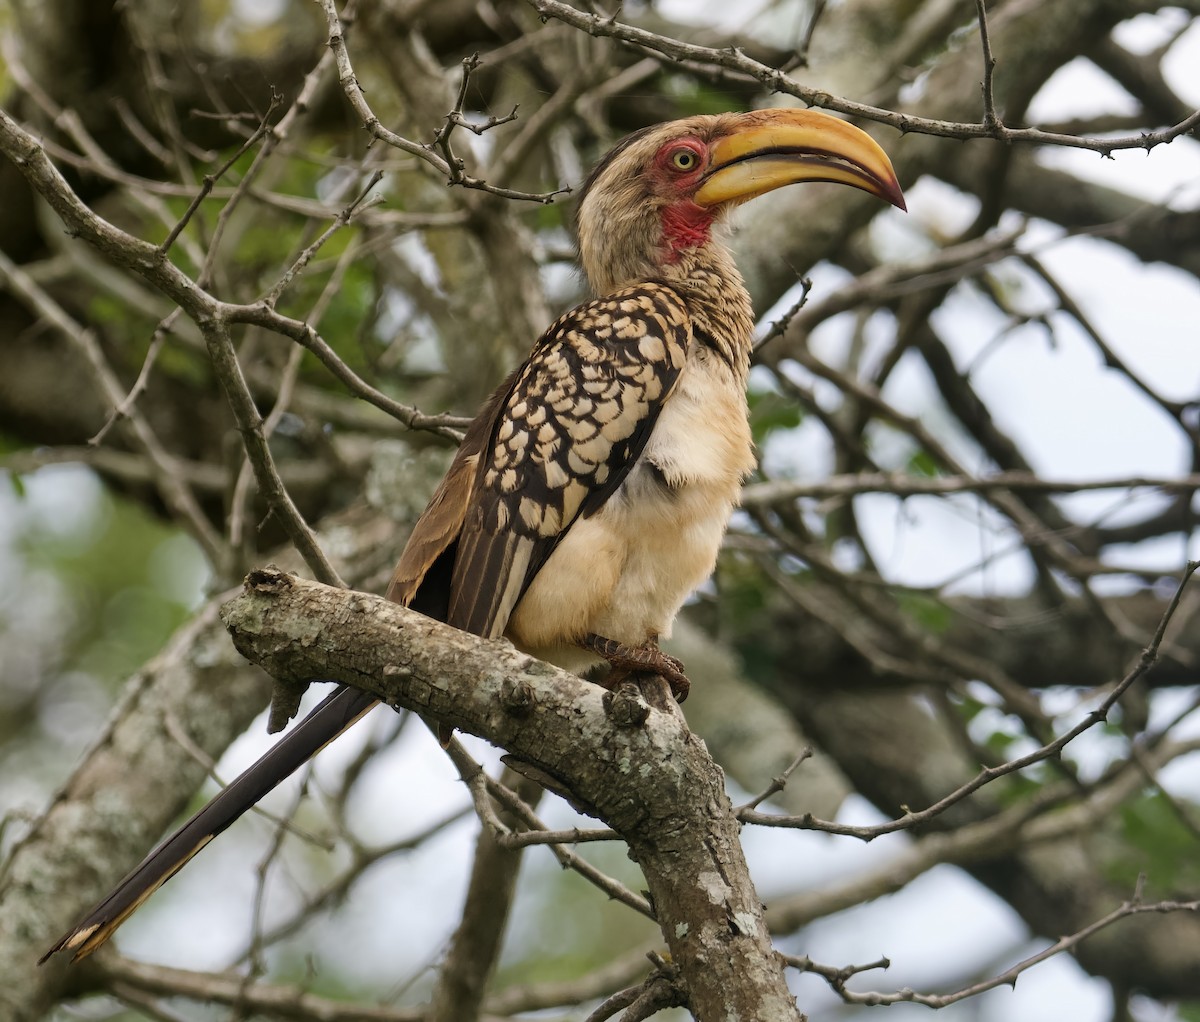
(336, 713)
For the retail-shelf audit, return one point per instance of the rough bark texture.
(653, 782)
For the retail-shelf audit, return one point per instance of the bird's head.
(658, 193)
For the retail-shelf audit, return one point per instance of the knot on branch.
(269, 579)
(516, 696)
(625, 706)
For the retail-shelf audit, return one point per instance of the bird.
(590, 495)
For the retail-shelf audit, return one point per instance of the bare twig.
(777, 784)
(774, 80)
(302, 260)
(206, 184)
(121, 410)
(424, 153)
(264, 316)
(990, 118)
(568, 859)
(837, 977)
(1048, 751)
(901, 484)
(250, 425)
(175, 490)
(882, 284)
(281, 1001)
(179, 734)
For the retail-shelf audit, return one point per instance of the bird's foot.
(647, 659)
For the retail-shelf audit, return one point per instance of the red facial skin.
(684, 224)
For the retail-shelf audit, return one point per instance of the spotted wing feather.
(572, 422)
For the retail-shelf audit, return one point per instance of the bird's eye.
(684, 159)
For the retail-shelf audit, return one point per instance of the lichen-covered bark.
(654, 781)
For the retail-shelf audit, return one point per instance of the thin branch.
(1056, 813)
(250, 425)
(341, 220)
(274, 1001)
(121, 410)
(574, 836)
(733, 59)
(176, 730)
(174, 489)
(358, 100)
(363, 859)
(618, 974)
(568, 859)
(264, 316)
(990, 119)
(778, 783)
(901, 484)
(659, 991)
(209, 180)
(940, 268)
(477, 781)
(1145, 661)
(148, 1006)
(210, 315)
(837, 977)
(1176, 409)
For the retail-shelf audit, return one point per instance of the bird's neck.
(703, 273)
(717, 301)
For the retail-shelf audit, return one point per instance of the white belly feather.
(624, 572)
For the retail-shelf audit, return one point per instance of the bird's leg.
(646, 658)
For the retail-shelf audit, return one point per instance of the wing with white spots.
(574, 420)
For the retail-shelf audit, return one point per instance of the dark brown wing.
(564, 432)
(421, 579)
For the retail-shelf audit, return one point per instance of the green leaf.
(922, 464)
(770, 411)
(1157, 844)
(928, 611)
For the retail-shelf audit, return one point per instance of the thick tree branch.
(655, 783)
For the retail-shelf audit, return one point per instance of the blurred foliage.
(94, 586)
(129, 579)
(930, 612)
(922, 463)
(574, 931)
(696, 97)
(771, 412)
(1156, 843)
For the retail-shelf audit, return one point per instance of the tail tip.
(82, 940)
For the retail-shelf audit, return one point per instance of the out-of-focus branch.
(1133, 907)
(901, 484)
(175, 489)
(134, 782)
(235, 991)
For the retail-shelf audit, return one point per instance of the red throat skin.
(685, 225)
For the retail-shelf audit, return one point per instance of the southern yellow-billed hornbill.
(590, 494)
